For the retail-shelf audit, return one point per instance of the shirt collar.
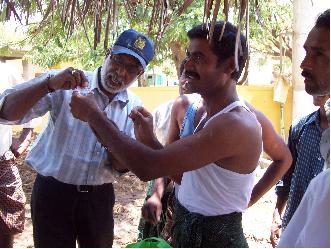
(314, 119)
(121, 96)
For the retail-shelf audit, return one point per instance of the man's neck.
(219, 99)
(323, 120)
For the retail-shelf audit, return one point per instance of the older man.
(73, 195)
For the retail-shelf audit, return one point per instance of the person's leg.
(6, 240)
(52, 212)
(12, 203)
(95, 220)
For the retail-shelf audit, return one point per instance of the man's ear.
(229, 65)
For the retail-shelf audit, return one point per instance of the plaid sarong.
(163, 227)
(12, 198)
(196, 230)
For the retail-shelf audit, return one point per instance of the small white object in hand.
(84, 91)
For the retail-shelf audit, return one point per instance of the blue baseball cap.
(136, 44)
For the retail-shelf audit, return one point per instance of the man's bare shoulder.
(236, 136)
(182, 102)
(239, 119)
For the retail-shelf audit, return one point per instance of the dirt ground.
(130, 193)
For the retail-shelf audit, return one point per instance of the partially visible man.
(305, 135)
(73, 195)
(12, 198)
(162, 119)
(310, 224)
(218, 174)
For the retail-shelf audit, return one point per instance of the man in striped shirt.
(73, 195)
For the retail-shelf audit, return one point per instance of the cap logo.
(140, 43)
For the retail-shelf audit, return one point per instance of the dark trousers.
(61, 214)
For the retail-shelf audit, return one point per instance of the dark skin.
(6, 240)
(316, 64)
(20, 144)
(273, 145)
(213, 144)
(316, 72)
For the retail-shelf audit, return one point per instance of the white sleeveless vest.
(212, 190)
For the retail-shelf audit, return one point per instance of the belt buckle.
(79, 189)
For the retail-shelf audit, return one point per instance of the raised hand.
(276, 229)
(83, 106)
(20, 144)
(143, 125)
(69, 78)
(151, 210)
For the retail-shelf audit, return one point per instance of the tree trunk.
(141, 81)
(178, 54)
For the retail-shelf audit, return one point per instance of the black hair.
(323, 20)
(223, 48)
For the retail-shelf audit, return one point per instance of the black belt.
(87, 188)
(79, 188)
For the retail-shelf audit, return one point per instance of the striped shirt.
(304, 144)
(68, 149)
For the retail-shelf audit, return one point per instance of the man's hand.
(143, 125)
(70, 78)
(276, 228)
(20, 144)
(151, 210)
(83, 106)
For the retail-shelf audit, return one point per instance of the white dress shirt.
(310, 224)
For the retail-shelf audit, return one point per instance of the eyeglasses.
(132, 69)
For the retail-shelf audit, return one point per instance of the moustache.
(192, 74)
(114, 78)
(307, 74)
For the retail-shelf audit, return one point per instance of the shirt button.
(319, 158)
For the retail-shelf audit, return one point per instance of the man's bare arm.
(276, 226)
(213, 143)
(178, 112)
(278, 151)
(20, 144)
(18, 103)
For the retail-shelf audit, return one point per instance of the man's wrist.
(94, 116)
(46, 83)
(156, 195)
